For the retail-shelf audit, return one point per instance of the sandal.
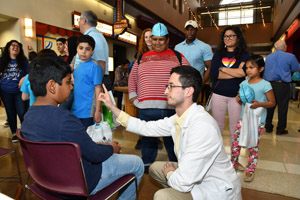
(248, 178)
(239, 167)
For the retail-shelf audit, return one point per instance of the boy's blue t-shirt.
(12, 75)
(260, 90)
(27, 89)
(86, 76)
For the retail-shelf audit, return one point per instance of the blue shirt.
(196, 53)
(55, 124)
(101, 48)
(280, 65)
(260, 90)
(86, 76)
(12, 75)
(27, 89)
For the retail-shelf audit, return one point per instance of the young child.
(87, 83)
(264, 97)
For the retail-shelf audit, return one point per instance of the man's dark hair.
(189, 76)
(63, 40)
(43, 69)
(46, 53)
(90, 17)
(86, 39)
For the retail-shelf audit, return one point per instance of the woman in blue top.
(13, 67)
(228, 71)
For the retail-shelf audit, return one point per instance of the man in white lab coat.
(203, 171)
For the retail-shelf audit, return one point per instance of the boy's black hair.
(190, 77)
(43, 69)
(46, 53)
(259, 61)
(63, 40)
(86, 39)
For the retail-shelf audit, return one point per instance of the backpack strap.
(139, 59)
(178, 55)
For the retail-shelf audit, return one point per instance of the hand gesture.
(105, 98)
(168, 167)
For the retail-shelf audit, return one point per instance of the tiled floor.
(277, 175)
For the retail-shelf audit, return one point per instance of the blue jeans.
(117, 166)
(150, 144)
(13, 105)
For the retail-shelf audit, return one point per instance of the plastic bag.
(249, 127)
(100, 132)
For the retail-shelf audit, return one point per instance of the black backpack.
(178, 55)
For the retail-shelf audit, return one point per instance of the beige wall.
(9, 30)
(211, 35)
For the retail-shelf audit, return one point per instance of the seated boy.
(87, 83)
(50, 80)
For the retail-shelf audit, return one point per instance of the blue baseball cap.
(159, 29)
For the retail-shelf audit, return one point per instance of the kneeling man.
(203, 170)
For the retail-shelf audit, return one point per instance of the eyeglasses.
(169, 87)
(229, 36)
(14, 45)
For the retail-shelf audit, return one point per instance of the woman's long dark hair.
(241, 46)
(5, 58)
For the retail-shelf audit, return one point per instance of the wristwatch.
(220, 69)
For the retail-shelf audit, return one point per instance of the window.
(231, 17)
(224, 2)
(175, 4)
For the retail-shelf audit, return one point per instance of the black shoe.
(269, 130)
(146, 170)
(282, 132)
(159, 143)
(138, 144)
(14, 139)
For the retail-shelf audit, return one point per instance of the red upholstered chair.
(56, 167)
(5, 152)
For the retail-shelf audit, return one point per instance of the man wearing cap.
(198, 53)
(146, 86)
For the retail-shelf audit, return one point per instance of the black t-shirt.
(227, 87)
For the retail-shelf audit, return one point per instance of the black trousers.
(282, 95)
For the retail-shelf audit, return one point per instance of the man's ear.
(51, 86)
(189, 91)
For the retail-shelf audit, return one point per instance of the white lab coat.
(204, 168)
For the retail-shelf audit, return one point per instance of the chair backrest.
(55, 166)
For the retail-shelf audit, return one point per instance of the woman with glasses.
(13, 66)
(228, 71)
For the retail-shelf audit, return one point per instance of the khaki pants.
(167, 193)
